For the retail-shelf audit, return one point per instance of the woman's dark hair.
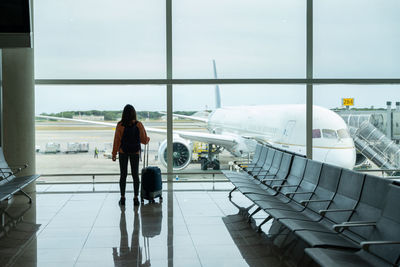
(128, 115)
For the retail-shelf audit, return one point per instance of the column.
(18, 129)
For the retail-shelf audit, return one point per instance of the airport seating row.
(9, 183)
(344, 217)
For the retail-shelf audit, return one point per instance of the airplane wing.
(112, 124)
(217, 139)
(195, 118)
(76, 120)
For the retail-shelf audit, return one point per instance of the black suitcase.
(151, 185)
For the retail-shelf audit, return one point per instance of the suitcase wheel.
(161, 199)
(142, 200)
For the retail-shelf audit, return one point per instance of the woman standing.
(129, 134)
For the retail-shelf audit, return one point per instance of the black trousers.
(123, 166)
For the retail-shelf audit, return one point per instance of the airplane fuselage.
(284, 126)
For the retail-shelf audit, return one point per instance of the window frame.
(309, 81)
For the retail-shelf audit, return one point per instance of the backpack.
(130, 142)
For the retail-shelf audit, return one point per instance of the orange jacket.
(119, 131)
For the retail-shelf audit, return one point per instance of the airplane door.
(287, 133)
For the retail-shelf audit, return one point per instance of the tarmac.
(63, 163)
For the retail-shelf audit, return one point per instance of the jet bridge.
(371, 142)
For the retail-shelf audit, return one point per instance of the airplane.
(237, 129)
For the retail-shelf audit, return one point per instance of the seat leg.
(261, 224)
(30, 199)
(236, 205)
(249, 207)
(230, 193)
(252, 214)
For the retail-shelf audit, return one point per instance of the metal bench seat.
(345, 218)
(265, 164)
(290, 198)
(319, 200)
(360, 226)
(382, 247)
(256, 157)
(243, 179)
(238, 177)
(273, 168)
(247, 183)
(285, 185)
(261, 159)
(339, 209)
(9, 183)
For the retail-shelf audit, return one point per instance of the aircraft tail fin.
(217, 91)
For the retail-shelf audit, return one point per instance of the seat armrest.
(322, 212)
(273, 179)
(279, 186)
(303, 202)
(346, 225)
(267, 175)
(299, 193)
(366, 244)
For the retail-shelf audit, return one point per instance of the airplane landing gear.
(209, 160)
(206, 164)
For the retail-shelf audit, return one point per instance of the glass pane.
(329, 134)
(356, 39)
(247, 39)
(316, 133)
(65, 147)
(99, 39)
(213, 136)
(373, 128)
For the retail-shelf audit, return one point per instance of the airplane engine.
(182, 153)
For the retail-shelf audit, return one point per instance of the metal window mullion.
(210, 81)
(309, 76)
(169, 89)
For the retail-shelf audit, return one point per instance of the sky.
(125, 39)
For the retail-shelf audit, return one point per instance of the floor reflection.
(255, 249)
(190, 228)
(17, 228)
(147, 220)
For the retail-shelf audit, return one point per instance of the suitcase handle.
(146, 156)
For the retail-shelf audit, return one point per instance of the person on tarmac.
(129, 134)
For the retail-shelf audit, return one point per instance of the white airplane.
(237, 129)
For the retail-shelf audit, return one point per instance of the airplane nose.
(345, 157)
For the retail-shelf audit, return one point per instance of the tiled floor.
(189, 228)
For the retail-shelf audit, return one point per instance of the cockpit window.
(329, 134)
(343, 133)
(316, 133)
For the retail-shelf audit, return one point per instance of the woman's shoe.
(136, 201)
(122, 201)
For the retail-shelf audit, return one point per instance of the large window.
(162, 56)
(249, 112)
(65, 147)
